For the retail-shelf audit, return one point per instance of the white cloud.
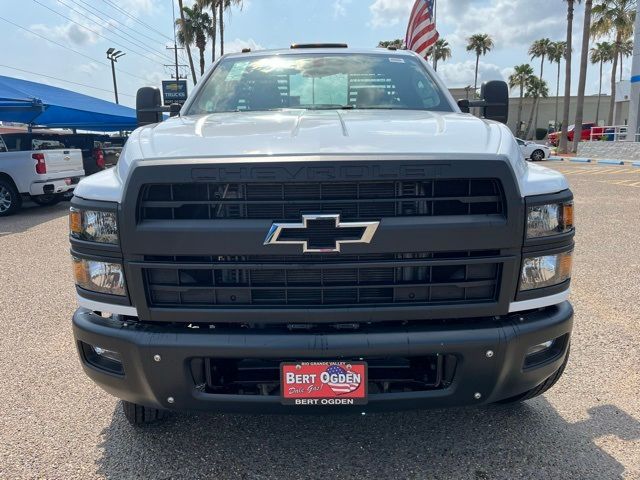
(386, 13)
(89, 68)
(461, 74)
(340, 8)
(238, 44)
(69, 32)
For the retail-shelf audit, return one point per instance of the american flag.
(421, 32)
(341, 388)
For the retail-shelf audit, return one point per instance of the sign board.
(174, 91)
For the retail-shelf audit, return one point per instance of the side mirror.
(495, 95)
(148, 106)
(174, 109)
(464, 105)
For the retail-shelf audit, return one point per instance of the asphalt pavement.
(55, 423)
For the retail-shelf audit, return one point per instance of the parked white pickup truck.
(43, 174)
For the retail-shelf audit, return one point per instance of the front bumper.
(495, 377)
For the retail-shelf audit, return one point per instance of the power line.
(115, 19)
(95, 32)
(121, 10)
(70, 49)
(133, 40)
(39, 74)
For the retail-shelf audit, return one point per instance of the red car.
(584, 136)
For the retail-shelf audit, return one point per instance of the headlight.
(93, 225)
(549, 219)
(545, 271)
(101, 277)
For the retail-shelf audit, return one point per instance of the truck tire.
(139, 415)
(10, 199)
(540, 389)
(46, 200)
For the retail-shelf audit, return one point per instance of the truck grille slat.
(288, 201)
(323, 280)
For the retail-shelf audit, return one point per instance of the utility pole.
(114, 55)
(176, 65)
(634, 103)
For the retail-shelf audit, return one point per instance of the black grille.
(352, 200)
(322, 280)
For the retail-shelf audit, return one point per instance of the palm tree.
(556, 54)
(536, 89)
(397, 43)
(601, 53)
(582, 78)
(213, 6)
(194, 28)
(567, 79)
(519, 78)
(626, 50)
(188, 46)
(440, 51)
(481, 44)
(222, 6)
(540, 49)
(617, 17)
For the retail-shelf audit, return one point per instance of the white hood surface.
(323, 132)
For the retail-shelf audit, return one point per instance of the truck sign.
(174, 91)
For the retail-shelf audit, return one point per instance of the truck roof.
(322, 50)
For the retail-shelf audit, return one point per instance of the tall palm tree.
(626, 50)
(540, 49)
(194, 28)
(212, 5)
(519, 78)
(601, 53)
(567, 78)
(481, 44)
(440, 51)
(188, 46)
(222, 6)
(582, 78)
(617, 17)
(536, 89)
(556, 54)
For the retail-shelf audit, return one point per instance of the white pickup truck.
(42, 173)
(322, 228)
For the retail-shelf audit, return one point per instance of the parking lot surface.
(56, 424)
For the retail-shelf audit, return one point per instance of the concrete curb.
(605, 161)
(611, 162)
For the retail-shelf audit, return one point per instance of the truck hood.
(330, 132)
(292, 132)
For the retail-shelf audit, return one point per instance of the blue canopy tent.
(42, 105)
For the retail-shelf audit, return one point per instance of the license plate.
(323, 383)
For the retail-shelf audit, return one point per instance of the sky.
(84, 29)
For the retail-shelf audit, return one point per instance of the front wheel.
(139, 415)
(537, 155)
(46, 200)
(10, 200)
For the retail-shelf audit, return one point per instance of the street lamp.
(114, 55)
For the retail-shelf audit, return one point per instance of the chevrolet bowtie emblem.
(321, 233)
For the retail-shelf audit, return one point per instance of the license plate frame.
(328, 387)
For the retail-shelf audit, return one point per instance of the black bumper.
(494, 377)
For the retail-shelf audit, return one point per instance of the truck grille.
(322, 280)
(352, 200)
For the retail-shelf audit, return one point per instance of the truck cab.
(322, 229)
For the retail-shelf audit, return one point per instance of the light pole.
(634, 104)
(114, 55)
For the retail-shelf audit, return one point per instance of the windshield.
(318, 82)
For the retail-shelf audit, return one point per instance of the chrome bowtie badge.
(321, 233)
